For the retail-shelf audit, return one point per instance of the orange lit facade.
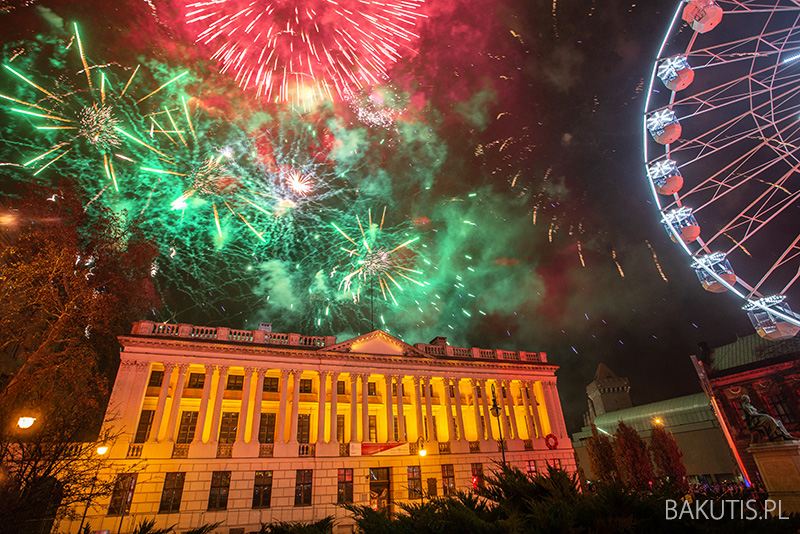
(247, 427)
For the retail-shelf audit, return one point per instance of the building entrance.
(379, 489)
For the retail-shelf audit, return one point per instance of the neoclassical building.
(248, 426)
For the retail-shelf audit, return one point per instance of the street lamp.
(101, 450)
(422, 452)
(26, 422)
(495, 409)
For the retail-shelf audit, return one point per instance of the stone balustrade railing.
(151, 328)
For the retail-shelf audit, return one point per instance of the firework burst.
(97, 118)
(375, 258)
(290, 51)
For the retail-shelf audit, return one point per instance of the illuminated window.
(414, 482)
(187, 427)
(271, 384)
(305, 385)
(218, 494)
(373, 428)
(303, 427)
(266, 428)
(171, 494)
(340, 428)
(235, 383)
(371, 391)
(143, 430)
(448, 480)
(262, 489)
(302, 487)
(340, 387)
(122, 495)
(156, 377)
(477, 476)
(196, 381)
(228, 426)
(531, 468)
(344, 492)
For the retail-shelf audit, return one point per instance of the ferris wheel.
(722, 150)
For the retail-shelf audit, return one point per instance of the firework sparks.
(371, 260)
(312, 52)
(299, 182)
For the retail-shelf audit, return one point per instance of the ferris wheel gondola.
(722, 150)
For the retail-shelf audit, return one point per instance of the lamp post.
(101, 450)
(495, 409)
(422, 452)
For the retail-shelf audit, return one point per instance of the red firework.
(292, 50)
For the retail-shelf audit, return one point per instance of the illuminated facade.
(254, 426)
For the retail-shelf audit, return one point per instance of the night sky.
(503, 154)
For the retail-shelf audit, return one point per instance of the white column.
(535, 410)
(323, 379)
(334, 401)
(201, 415)
(257, 405)
(401, 423)
(295, 405)
(523, 390)
(554, 410)
(459, 415)
(217, 408)
(175, 410)
(389, 410)
(501, 404)
(448, 411)
(487, 415)
(426, 384)
(244, 406)
(162, 403)
(280, 424)
(512, 413)
(418, 407)
(353, 408)
(476, 406)
(364, 408)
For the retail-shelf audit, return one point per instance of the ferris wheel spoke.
(792, 252)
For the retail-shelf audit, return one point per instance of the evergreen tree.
(632, 458)
(668, 458)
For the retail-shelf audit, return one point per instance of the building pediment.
(377, 342)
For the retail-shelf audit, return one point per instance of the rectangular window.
(344, 492)
(477, 476)
(156, 377)
(555, 462)
(371, 390)
(122, 495)
(340, 428)
(448, 480)
(305, 385)
(302, 487)
(780, 408)
(414, 482)
(270, 384)
(143, 430)
(452, 391)
(531, 468)
(171, 494)
(235, 383)
(373, 428)
(228, 426)
(340, 387)
(483, 425)
(480, 392)
(303, 427)
(196, 381)
(262, 489)
(266, 428)
(503, 389)
(187, 427)
(218, 495)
